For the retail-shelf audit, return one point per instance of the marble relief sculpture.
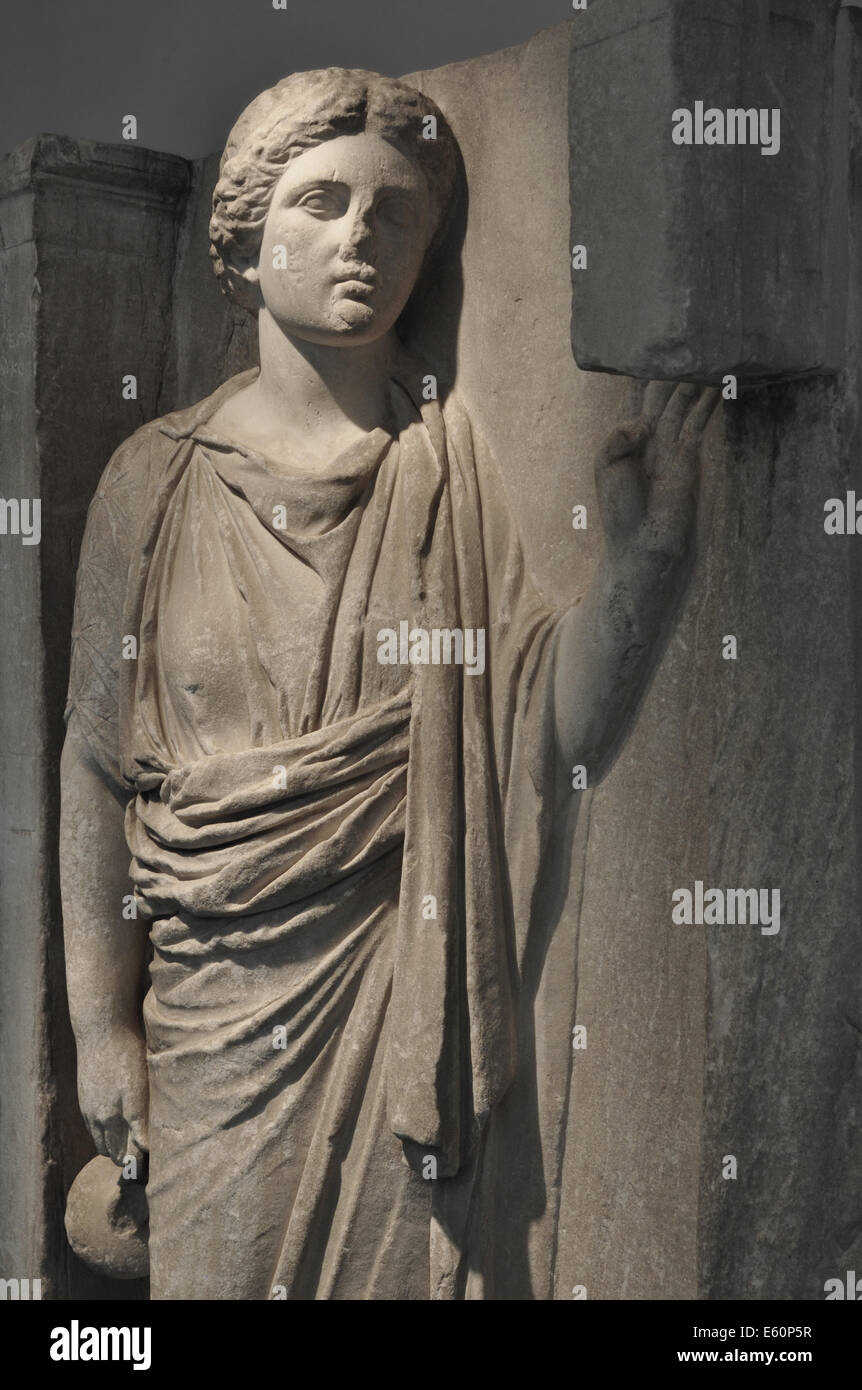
(317, 699)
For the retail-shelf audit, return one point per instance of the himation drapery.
(335, 853)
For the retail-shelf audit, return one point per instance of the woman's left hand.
(647, 473)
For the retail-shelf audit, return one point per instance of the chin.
(356, 328)
(359, 328)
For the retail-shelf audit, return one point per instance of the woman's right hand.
(113, 1093)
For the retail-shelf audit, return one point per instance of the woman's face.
(346, 234)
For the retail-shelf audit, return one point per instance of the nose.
(359, 231)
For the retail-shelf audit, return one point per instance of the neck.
(319, 385)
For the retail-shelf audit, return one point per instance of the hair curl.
(302, 111)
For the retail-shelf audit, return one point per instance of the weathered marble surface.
(544, 421)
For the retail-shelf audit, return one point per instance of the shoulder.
(124, 485)
(137, 467)
(180, 424)
(132, 458)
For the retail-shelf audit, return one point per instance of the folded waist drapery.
(248, 832)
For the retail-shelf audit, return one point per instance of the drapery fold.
(332, 793)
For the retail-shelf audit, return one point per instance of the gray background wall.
(186, 68)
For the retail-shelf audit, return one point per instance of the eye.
(322, 202)
(399, 211)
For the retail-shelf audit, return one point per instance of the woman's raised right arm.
(105, 956)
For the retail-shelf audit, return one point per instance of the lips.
(360, 281)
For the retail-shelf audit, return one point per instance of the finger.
(624, 441)
(672, 419)
(116, 1137)
(656, 397)
(701, 412)
(673, 498)
(621, 496)
(97, 1134)
(139, 1135)
(619, 478)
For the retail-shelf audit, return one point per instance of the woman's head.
(333, 187)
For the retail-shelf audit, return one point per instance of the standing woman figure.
(316, 698)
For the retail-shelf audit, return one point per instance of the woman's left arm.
(647, 480)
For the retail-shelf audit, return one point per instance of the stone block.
(705, 259)
(87, 244)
